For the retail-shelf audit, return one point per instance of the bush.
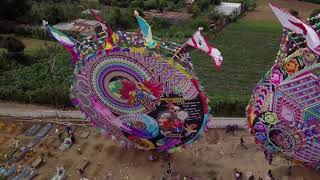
(32, 32)
(228, 106)
(198, 22)
(119, 3)
(250, 4)
(137, 4)
(203, 4)
(217, 2)
(6, 63)
(53, 13)
(40, 82)
(119, 19)
(14, 47)
(150, 4)
(158, 23)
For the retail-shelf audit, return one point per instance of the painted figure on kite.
(138, 89)
(284, 111)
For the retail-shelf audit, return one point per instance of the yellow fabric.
(114, 37)
(108, 46)
(140, 50)
(179, 67)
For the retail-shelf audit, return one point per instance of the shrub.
(32, 32)
(150, 4)
(137, 4)
(198, 22)
(14, 47)
(203, 4)
(158, 23)
(123, 19)
(41, 82)
(53, 13)
(250, 4)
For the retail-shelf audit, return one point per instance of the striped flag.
(68, 42)
(298, 26)
(198, 41)
(61, 37)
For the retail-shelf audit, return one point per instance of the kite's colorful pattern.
(138, 89)
(284, 112)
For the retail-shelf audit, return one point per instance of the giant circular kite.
(140, 91)
(284, 111)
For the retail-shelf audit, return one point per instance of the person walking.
(242, 143)
(270, 175)
(238, 175)
(270, 158)
(251, 177)
(169, 171)
(289, 170)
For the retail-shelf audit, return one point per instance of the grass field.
(249, 51)
(249, 48)
(32, 44)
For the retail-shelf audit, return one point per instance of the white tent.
(229, 9)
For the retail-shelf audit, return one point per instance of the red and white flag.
(298, 26)
(198, 41)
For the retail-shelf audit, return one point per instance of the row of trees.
(32, 11)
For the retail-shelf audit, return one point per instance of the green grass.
(32, 44)
(249, 50)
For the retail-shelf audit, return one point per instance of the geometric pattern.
(262, 90)
(312, 113)
(286, 109)
(294, 104)
(300, 97)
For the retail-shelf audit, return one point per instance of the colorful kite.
(284, 111)
(140, 91)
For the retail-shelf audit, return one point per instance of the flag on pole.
(145, 30)
(198, 41)
(68, 42)
(298, 26)
(112, 37)
(61, 37)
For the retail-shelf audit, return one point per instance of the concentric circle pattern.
(140, 100)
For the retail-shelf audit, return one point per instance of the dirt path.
(215, 156)
(263, 13)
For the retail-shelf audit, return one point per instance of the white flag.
(198, 41)
(289, 21)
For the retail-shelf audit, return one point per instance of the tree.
(14, 47)
(137, 4)
(203, 4)
(11, 9)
